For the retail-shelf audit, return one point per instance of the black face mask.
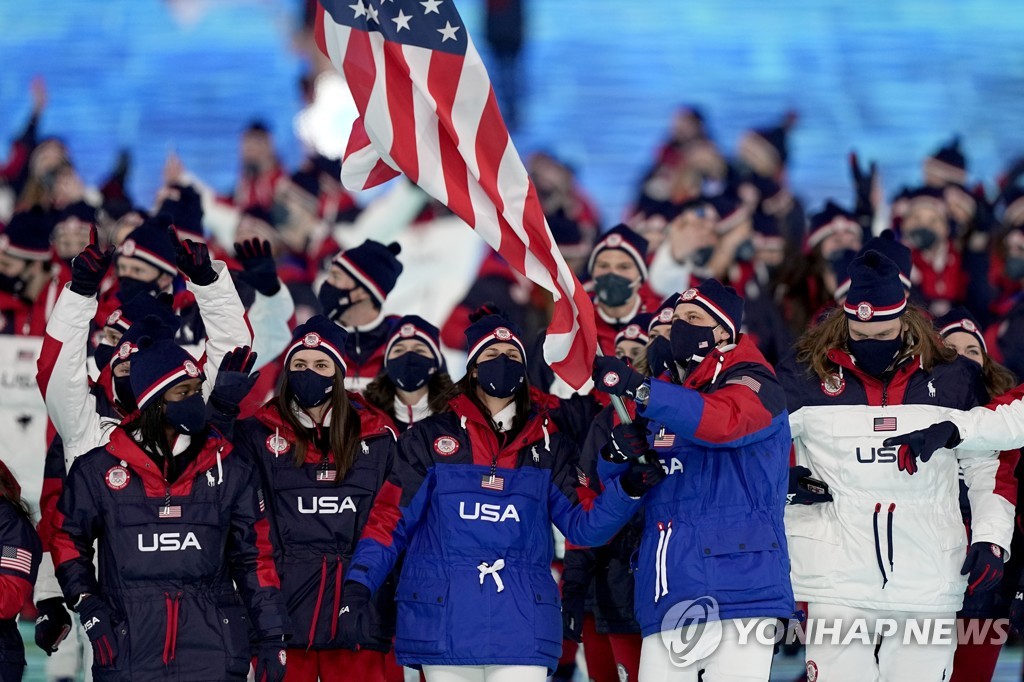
(745, 252)
(701, 256)
(613, 290)
(689, 340)
(921, 238)
(103, 355)
(410, 371)
(130, 287)
(12, 285)
(659, 355)
(1014, 268)
(874, 356)
(187, 416)
(334, 301)
(250, 169)
(839, 262)
(501, 377)
(124, 394)
(309, 388)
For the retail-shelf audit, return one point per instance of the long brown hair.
(997, 379)
(10, 490)
(344, 429)
(381, 393)
(919, 339)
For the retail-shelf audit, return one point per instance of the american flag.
(427, 109)
(259, 498)
(170, 512)
(16, 559)
(492, 482)
(885, 423)
(663, 439)
(750, 382)
(582, 478)
(326, 474)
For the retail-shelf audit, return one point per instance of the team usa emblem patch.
(446, 446)
(864, 311)
(128, 248)
(610, 379)
(117, 477)
(191, 369)
(833, 385)
(689, 295)
(311, 340)
(407, 331)
(278, 445)
(502, 334)
(812, 671)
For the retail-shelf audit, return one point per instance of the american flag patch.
(492, 482)
(259, 498)
(663, 439)
(885, 423)
(326, 475)
(16, 559)
(170, 512)
(750, 382)
(582, 478)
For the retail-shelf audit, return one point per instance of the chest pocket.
(185, 542)
(474, 516)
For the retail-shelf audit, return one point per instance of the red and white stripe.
(323, 346)
(434, 116)
(878, 313)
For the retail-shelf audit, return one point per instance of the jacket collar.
(123, 447)
(721, 359)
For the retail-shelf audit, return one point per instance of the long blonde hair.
(919, 339)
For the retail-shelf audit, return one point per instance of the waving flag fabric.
(427, 109)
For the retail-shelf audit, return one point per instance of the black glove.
(798, 495)
(233, 384)
(614, 376)
(577, 574)
(1017, 609)
(89, 267)
(53, 623)
(923, 444)
(270, 661)
(640, 478)
(627, 442)
(354, 617)
(863, 184)
(98, 623)
(193, 260)
(983, 566)
(258, 268)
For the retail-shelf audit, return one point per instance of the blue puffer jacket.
(714, 526)
(476, 586)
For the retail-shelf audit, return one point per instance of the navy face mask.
(103, 355)
(501, 377)
(186, 416)
(702, 256)
(921, 238)
(875, 355)
(613, 290)
(659, 355)
(130, 287)
(1014, 268)
(689, 340)
(309, 388)
(410, 371)
(334, 301)
(124, 394)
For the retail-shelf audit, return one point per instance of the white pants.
(900, 655)
(485, 673)
(738, 658)
(73, 656)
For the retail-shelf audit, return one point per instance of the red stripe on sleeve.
(15, 592)
(1006, 481)
(385, 514)
(266, 572)
(62, 547)
(731, 413)
(47, 361)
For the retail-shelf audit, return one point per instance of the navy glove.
(983, 566)
(233, 384)
(53, 623)
(354, 617)
(922, 444)
(799, 495)
(193, 260)
(258, 268)
(862, 187)
(89, 267)
(1017, 609)
(627, 442)
(612, 375)
(577, 573)
(640, 478)
(270, 661)
(98, 623)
